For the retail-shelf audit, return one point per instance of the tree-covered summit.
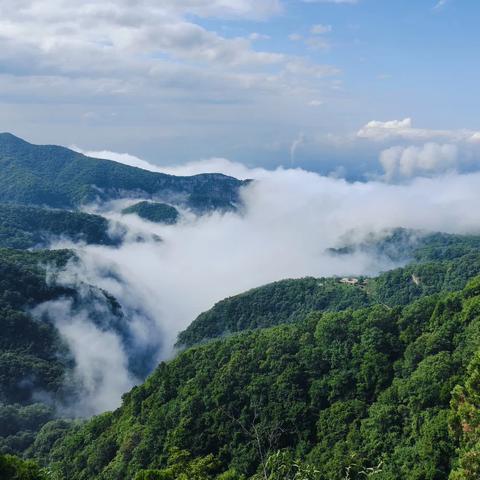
(438, 263)
(23, 226)
(154, 212)
(61, 178)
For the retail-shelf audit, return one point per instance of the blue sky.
(265, 82)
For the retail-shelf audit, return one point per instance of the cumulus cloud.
(403, 129)
(351, 2)
(134, 42)
(406, 162)
(153, 74)
(320, 29)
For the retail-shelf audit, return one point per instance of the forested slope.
(24, 227)
(342, 391)
(35, 362)
(154, 212)
(61, 178)
(441, 263)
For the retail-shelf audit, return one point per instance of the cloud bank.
(290, 218)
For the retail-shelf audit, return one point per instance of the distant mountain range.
(53, 176)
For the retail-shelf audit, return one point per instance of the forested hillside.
(35, 362)
(61, 178)
(343, 392)
(25, 227)
(301, 379)
(441, 263)
(154, 212)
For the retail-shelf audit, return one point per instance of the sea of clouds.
(289, 220)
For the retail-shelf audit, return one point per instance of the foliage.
(13, 468)
(444, 263)
(349, 394)
(465, 423)
(25, 227)
(34, 360)
(154, 212)
(285, 301)
(61, 178)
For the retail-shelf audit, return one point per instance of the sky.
(361, 89)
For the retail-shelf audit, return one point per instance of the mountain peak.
(10, 137)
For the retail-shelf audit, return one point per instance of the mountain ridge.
(58, 177)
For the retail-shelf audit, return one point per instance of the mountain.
(36, 364)
(441, 263)
(47, 175)
(335, 395)
(285, 301)
(25, 227)
(154, 212)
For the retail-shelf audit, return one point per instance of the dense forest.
(49, 175)
(301, 379)
(440, 263)
(339, 392)
(154, 212)
(24, 227)
(35, 362)
(359, 379)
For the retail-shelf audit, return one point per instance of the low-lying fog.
(289, 220)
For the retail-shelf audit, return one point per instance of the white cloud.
(210, 165)
(320, 29)
(350, 2)
(290, 218)
(258, 36)
(295, 37)
(404, 129)
(317, 43)
(147, 66)
(101, 364)
(315, 103)
(124, 158)
(296, 144)
(406, 162)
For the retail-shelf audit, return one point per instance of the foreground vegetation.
(342, 392)
(35, 362)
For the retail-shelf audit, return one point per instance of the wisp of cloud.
(289, 220)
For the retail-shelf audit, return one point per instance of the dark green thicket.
(34, 360)
(13, 468)
(352, 390)
(443, 263)
(155, 212)
(285, 301)
(61, 178)
(24, 227)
